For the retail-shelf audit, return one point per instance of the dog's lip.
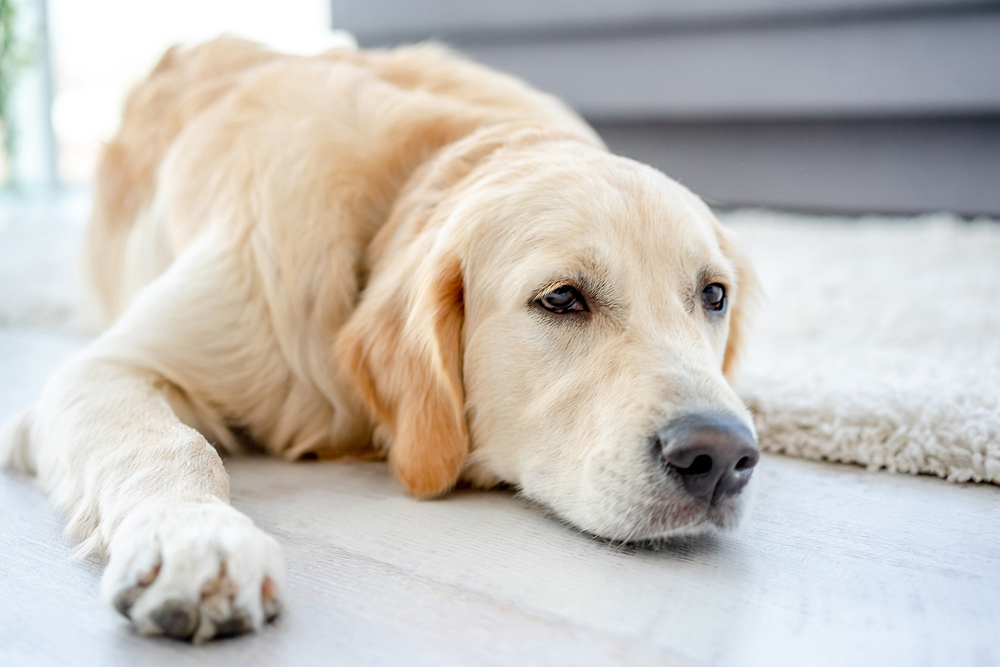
(664, 518)
(710, 519)
(673, 519)
(675, 522)
(663, 510)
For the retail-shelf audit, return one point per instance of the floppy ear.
(402, 351)
(747, 295)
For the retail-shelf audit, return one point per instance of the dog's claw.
(236, 625)
(125, 599)
(272, 610)
(269, 600)
(177, 618)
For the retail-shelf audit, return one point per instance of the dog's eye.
(713, 297)
(563, 299)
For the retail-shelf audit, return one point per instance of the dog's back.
(186, 84)
(179, 88)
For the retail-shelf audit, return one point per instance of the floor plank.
(836, 566)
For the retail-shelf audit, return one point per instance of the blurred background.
(75, 61)
(889, 106)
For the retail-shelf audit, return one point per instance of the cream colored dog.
(393, 250)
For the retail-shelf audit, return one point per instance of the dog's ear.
(402, 351)
(401, 348)
(747, 295)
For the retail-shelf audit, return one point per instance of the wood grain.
(837, 566)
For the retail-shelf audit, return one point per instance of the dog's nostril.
(700, 465)
(744, 463)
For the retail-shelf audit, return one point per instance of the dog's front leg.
(140, 486)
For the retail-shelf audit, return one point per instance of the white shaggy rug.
(879, 342)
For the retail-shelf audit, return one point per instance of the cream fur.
(319, 254)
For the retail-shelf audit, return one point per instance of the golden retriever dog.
(398, 252)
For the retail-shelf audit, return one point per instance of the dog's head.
(543, 313)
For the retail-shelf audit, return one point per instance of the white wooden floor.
(837, 566)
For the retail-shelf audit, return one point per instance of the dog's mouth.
(672, 518)
(666, 530)
(699, 520)
(653, 507)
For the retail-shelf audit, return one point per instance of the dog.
(399, 252)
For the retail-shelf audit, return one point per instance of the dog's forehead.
(593, 211)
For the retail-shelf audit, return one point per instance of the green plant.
(8, 70)
(16, 54)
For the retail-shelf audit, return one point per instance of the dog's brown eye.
(713, 297)
(563, 299)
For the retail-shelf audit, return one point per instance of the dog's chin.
(676, 520)
(725, 517)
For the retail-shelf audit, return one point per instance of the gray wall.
(840, 105)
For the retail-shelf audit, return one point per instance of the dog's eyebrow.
(577, 281)
(713, 274)
(591, 284)
(585, 274)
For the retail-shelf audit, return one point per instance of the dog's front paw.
(194, 571)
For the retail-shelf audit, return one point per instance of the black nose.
(713, 454)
